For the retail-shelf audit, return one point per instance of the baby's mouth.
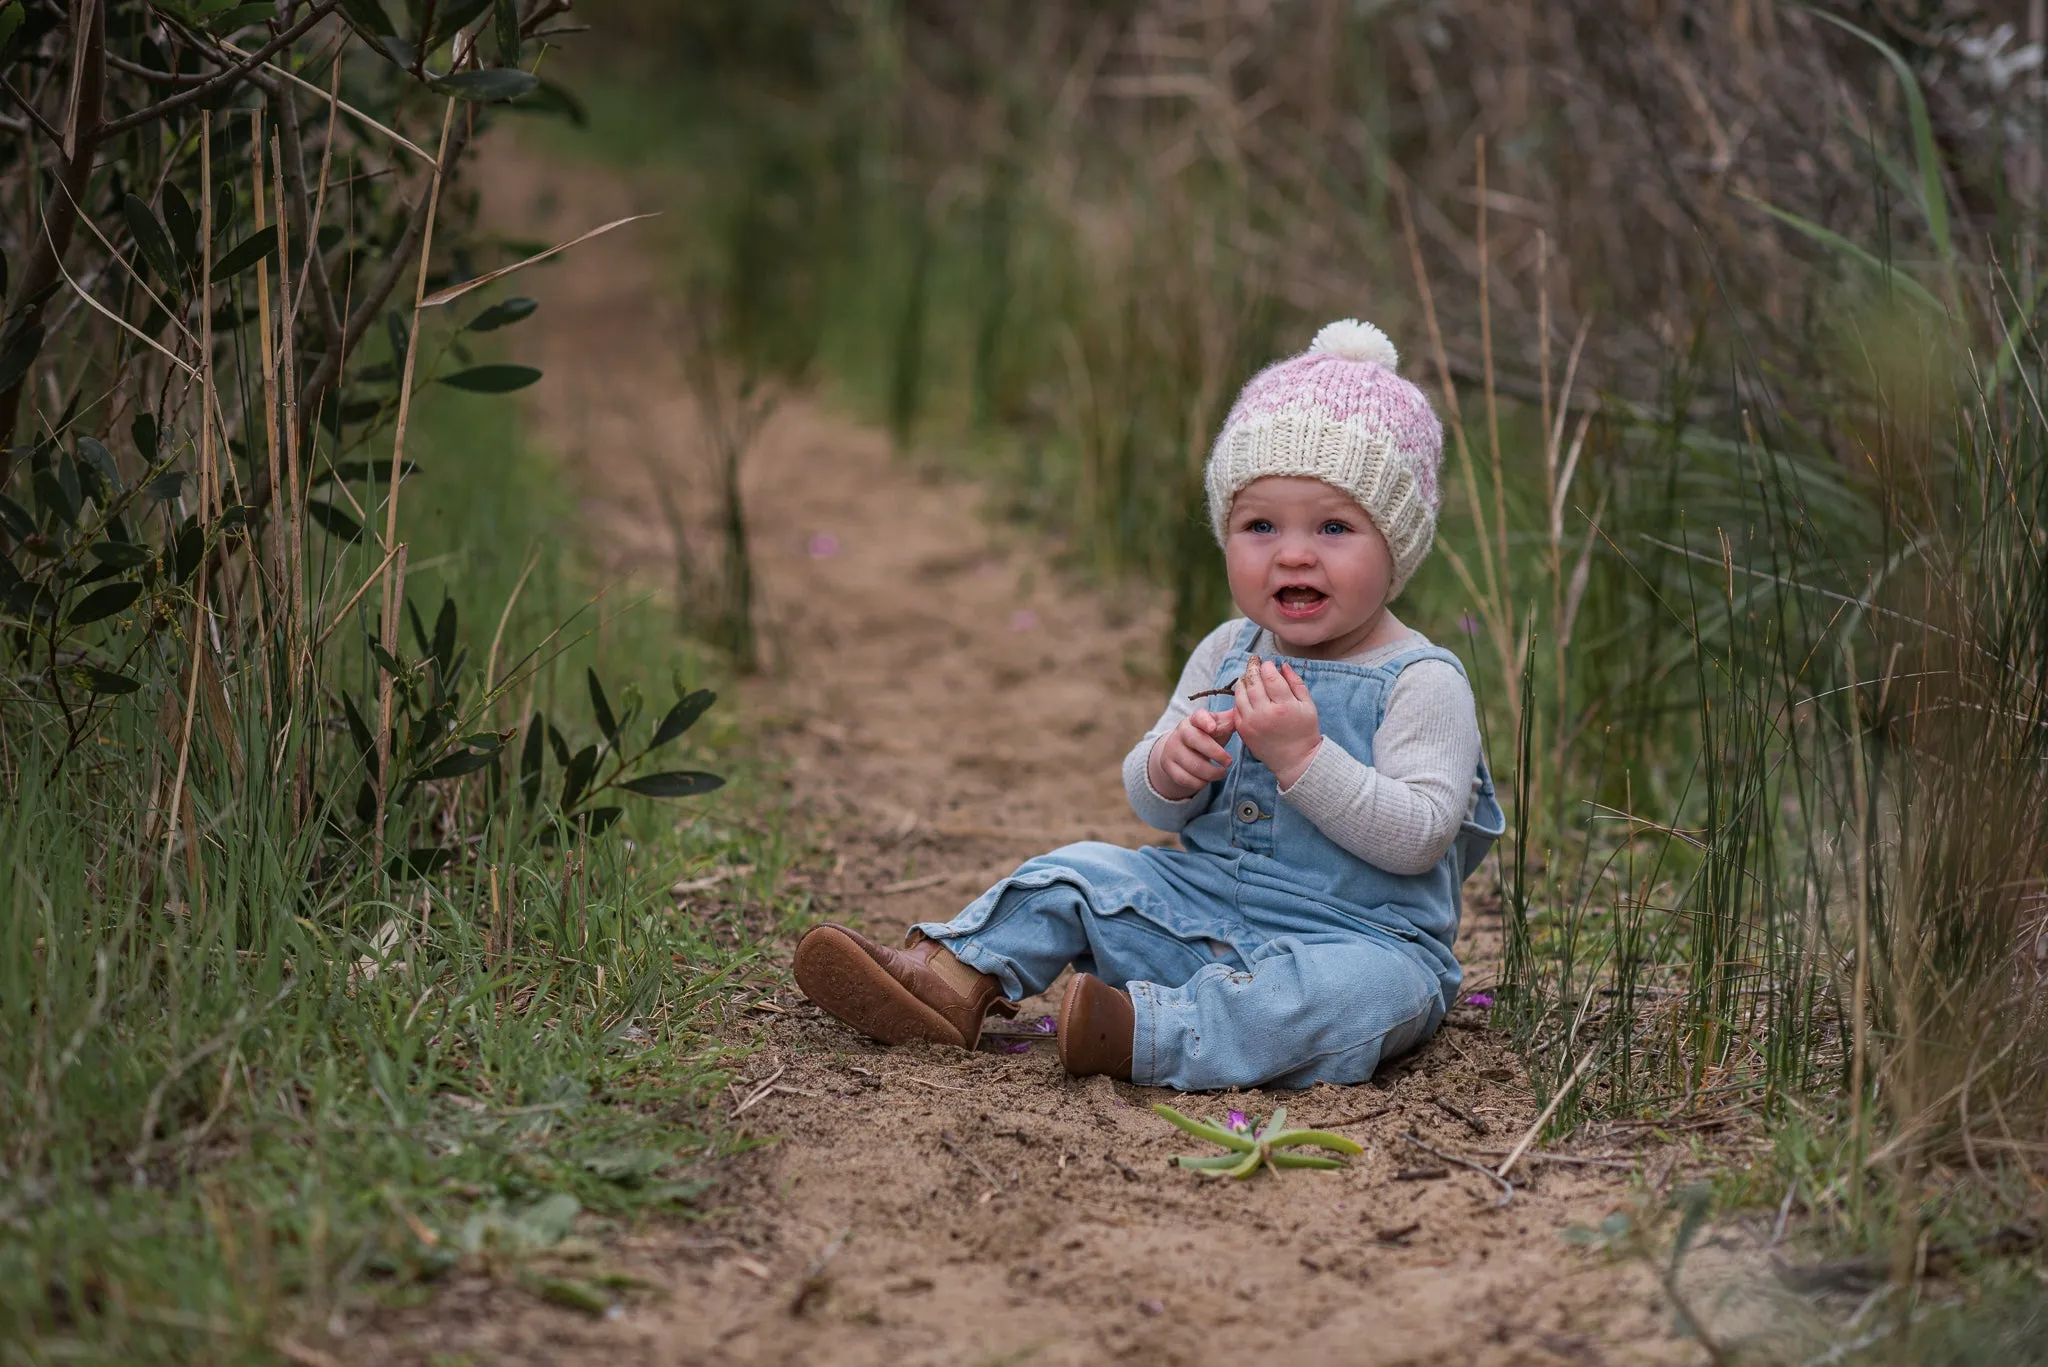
(1300, 599)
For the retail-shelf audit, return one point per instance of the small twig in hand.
(1507, 1192)
(1451, 1108)
(1200, 694)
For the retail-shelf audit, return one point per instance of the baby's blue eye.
(1334, 529)
(1259, 525)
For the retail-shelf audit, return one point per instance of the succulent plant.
(1253, 1147)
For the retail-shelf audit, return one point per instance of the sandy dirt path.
(948, 704)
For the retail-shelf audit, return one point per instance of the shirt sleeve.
(1402, 812)
(1162, 813)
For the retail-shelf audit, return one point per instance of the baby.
(1319, 760)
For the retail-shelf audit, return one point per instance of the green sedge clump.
(1251, 1148)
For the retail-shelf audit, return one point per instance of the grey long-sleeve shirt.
(1401, 812)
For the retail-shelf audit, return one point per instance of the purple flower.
(1479, 999)
(1237, 1122)
(1468, 624)
(1044, 1025)
(1013, 1046)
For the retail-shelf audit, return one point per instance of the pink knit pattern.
(1352, 423)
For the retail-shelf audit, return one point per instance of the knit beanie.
(1339, 413)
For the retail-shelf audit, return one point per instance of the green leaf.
(19, 354)
(531, 756)
(122, 555)
(452, 17)
(1248, 1164)
(17, 519)
(598, 820)
(166, 486)
(183, 224)
(503, 313)
(492, 379)
(10, 20)
(242, 15)
(98, 458)
(556, 100)
(334, 521)
(369, 17)
(1304, 1160)
(1215, 1134)
(674, 783)
(359, 730)
(1322, 1139)
(1885, 270)
(444, 635)
(151, 239)
(489, 85)
(601, 707)
(401, 340)
(1698, 1200)
(683, 716)
(54, 498)
(577, 778)
(104, 602)
(101, 681)
(257, 246)
(572, 1294)
(506, 21)
(1215, 1162)
(1933, 201)
(143, 433)
(454, 766)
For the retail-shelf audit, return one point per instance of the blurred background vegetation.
(1733, 313)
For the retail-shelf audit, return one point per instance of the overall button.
(1248, 811)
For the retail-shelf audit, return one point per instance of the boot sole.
(836, 973)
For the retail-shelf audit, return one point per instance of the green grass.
(249, 1113)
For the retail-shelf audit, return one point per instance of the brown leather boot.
(1097, 1027)
(889, 994)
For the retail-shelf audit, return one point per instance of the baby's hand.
(1277, 719)
(1191, 756)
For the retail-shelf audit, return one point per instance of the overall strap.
(1247, 637)
(1420, 653)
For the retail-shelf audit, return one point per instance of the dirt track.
(949, 704)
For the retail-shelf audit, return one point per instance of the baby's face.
(1308, 565)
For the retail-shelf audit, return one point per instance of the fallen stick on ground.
(1529, 1135)
(1453, 1109)
(759, 1092)
(1507, 1191)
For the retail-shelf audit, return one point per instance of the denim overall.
(1261, 953)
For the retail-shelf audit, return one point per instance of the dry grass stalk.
(394, 575)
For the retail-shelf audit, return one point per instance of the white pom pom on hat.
(1355, 341)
